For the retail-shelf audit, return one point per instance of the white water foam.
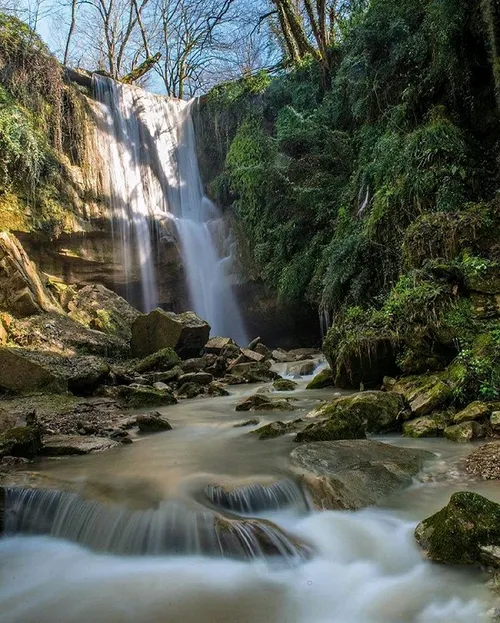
(367, 570)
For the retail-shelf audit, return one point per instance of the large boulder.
(103, 310)
(23, 290)
(24, 371)
(352, 474)
(186, 333)
(425, 426)
(475, 411)
(465, 532)
(423, 393)
(464, 432)
(324, 378)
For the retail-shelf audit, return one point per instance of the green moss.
(161, 361)
(323, 379)
(460, 533)
(138, 397)
(21, 441)
(284, 385)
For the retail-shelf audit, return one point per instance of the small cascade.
(147, 144)
(172, 528)
(257, 498)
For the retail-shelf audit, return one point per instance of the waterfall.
(148, 147)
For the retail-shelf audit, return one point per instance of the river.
(365, 566)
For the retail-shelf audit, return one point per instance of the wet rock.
(280, 356)
(217, 389)
(216, 345)
(198, 378)
(425, 426)
(301, 368)
(186, 333)
(137, 397)
(250, 355)
(324, 378)
(301, 354)
(23, 290)
(352, 474)
(65, 445)
(253, 422)
(485, 461)
(253, 372)
(476, 411)
(103, 310)
(162, 360)
(190, 390)
(263, 350)
(423, 393)
(465, 532)
(22, 441)
(259, 402)
(150, 378)
(152, 422)
(198, 364)
(332, 429)
(272, 430)
(162, 387)
(284, 385)
(464, 432)
(25, 371)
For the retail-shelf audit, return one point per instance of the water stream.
(361, 567)
(148, 149)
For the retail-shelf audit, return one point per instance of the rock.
(251, 355)
(254, 343)
(476, 411)
(137, 397)
(300, 354)
(324, 378)
(198, 364)
(62, 445)
(150, 378)
(198, 378)
(263, 350)
(280, 356)
(259, 402)
(372, 411)
(121, 436)
(23, 290)
(26, 371)
(152, 423)
(103, 310)
(423, 393)
(186, 333)
(272, 430)
(485, 461)
(301, 368)
(284, 385)
(216, 345)
(254, 372)
(352, 474)
(464, 432)
(465, 532)
(162, 360)
(495, 422)
(332, 429)
(62, 335)
(190, 390)
(425, 426)
(217, 389)
(253, 422)
(162, 387)
(22, 441)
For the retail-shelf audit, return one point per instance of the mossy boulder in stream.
(152, 422)
(260, 402)
(424, 393)
(425, 426)
(464, 432)
(284, 385)
(321, 380)
(465, 532)
(475, 411)
(139, 396)
(186, 333)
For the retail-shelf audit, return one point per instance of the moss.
(426, 426)
(161, 361)
(333, 429)
(138, 397)
(321, 380)
(461, 532)
(272, 430)
(284, 385)
(190, 390)
(475, 411)
(462, 433)
(21, 441)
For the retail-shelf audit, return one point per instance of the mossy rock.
(190, 390)
(152, 423)
(253, 372)
(284, 385)
(424, 393)
(321, 380)
(24, 441)
(486, 281)
(333, 429)
(161, 361)
(217, 389)
(425, 426)
(260, 402)
(464, 432)
(137, 397)
(271, 431)
(465, 532)
(376, 412)
(475, 411)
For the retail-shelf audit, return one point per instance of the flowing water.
(148, 148)
(108, 557)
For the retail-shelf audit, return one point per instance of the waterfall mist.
(148, 147)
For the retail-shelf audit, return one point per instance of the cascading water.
(148, 145)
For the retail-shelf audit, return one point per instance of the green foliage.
(476, 371)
